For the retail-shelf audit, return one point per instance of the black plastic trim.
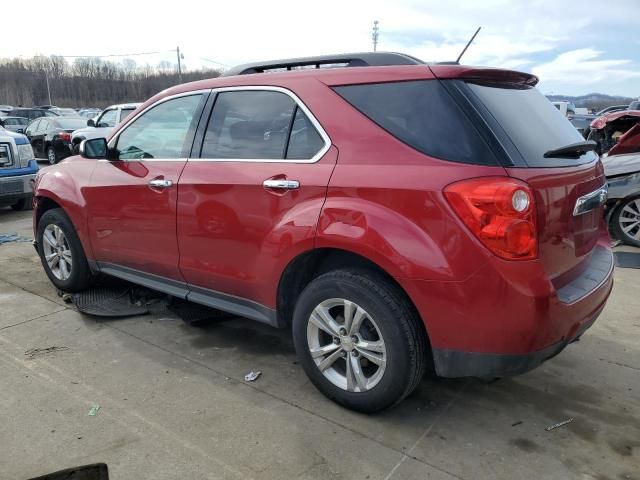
(211, 298)
(455, 363)
(593, 277)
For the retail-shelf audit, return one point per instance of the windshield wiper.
(573, 150)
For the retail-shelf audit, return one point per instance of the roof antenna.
(467, 45)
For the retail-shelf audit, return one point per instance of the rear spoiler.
(484, 75)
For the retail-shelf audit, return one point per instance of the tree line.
(86, 82)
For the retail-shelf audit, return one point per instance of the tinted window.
(108, 119)
(125, 112)
(71, 123)
(531, 122)
(304, 140)
(423, 115)
(161, 131)
(249, 124)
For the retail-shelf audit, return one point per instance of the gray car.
(14, 124)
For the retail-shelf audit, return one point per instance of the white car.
(104, 124)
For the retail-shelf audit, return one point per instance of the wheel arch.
(308, 265)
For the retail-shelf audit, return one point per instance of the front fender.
(63, 184)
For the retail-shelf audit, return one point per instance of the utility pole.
(375, 34)
(179, 65)
(46, 76)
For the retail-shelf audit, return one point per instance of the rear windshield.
(423, 115)
(532, 123)
(69, 123)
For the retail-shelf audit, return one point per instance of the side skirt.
(210, 298)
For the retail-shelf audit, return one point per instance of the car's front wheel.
(61, 252)
(359, 340)
(626, 221)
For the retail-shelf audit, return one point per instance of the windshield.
(532, 123)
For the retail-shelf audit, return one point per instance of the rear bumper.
(452, 363)
(509, 316)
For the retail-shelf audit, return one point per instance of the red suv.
(398, 216)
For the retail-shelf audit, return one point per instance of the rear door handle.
(160, 183)
(281, 184)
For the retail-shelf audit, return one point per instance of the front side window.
(161, 131)
(108, 119)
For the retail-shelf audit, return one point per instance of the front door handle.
(281, 184)
(160, 183)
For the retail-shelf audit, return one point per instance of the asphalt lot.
(174, 403)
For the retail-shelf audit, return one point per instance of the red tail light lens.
(500, 211)
(64, 136)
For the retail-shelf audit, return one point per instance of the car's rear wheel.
(61, 252)
(359, 340)
(52, 156)
(626, 221)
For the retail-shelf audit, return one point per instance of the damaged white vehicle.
(617, 135)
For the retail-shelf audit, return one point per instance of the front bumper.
(16, 188)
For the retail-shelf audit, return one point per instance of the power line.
(214, 61)
(113, 54)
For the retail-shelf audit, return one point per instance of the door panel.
(235, 235)
(132, 223)
(132, 201)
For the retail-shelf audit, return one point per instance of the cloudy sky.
(575, 47)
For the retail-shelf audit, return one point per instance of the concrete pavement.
(174, 404)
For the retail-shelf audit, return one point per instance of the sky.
(574, 47)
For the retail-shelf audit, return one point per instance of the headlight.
(25, 153)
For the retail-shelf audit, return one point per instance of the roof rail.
(368, 59)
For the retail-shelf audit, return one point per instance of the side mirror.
(95, 148)
(91, 123)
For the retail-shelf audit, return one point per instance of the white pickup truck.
(103, 125)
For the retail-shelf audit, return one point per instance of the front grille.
(13, 186)
(5, 155)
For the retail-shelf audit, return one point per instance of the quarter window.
(260, 125)
(160, 132)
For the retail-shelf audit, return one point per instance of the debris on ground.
(39, 352)
(559, 424)
(94, 410)
(12, 237)
(519, 422)
(627, 259)
(121, 301)
(252, 376)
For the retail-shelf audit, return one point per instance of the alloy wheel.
(346, 345)
(51, 156)
(57, 252)
(629, 219)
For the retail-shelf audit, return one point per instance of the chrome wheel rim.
(346, 345)
(629, 219)
(57, 252)
(51, 155)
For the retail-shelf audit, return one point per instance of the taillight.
(64, 136)
(500, 211)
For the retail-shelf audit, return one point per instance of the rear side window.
(532, 123)
(259, 125)
(423, 115)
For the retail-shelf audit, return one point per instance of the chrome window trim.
(269, 88)
(114, 140)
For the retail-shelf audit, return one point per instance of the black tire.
(23, 204)
(399, 325)
(80, 277)
(52, 156)
(620, 214)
